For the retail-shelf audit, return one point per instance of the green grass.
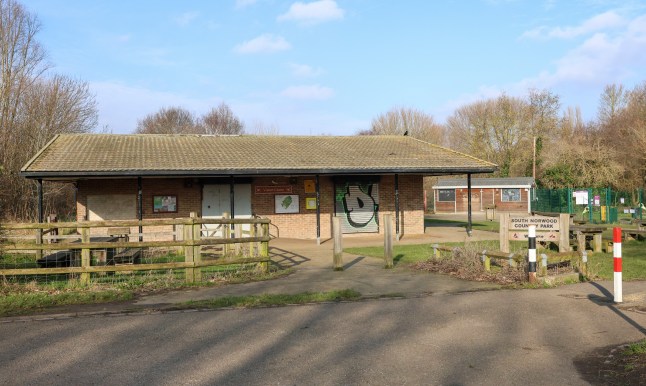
(633, 262)
(638, 348)
(268, 300)
(409, 254)
(491, 226)
(13, 304)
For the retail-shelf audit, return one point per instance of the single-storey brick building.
(506, 194)
(298, 182)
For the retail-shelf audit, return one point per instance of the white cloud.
(313, 13)
(308, 92)
(305, 71)
(186, 18)
(266, 43)
(601, 22)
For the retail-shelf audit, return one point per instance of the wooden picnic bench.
(125, 255)
(636, 234)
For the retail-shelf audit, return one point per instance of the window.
(446, 195)
(510, 195)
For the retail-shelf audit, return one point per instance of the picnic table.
(582, 232)
(68, 258)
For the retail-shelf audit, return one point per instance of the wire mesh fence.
(594, 205)
(131, 253)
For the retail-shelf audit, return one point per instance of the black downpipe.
(469, 224)
(140, 206)
(318, 211)
(40, 200)
(396, 204)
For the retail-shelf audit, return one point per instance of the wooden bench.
(636, 234)
(127, 256)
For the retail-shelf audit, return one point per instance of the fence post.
(189, 256)
(543, 264)
(436, 251)
(85, 255)
(264, 247)
(584, 263)
(531, 253)
(564, 233)
(226, 234)
(338, 244)
(388, 241)
(616, 253)
(39, 241)
(197, 249)
(486, 260)
(512, 262)
(252, 244)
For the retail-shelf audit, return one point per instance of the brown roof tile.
(113, 155)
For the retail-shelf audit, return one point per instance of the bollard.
(436, 251)
(616, 253)
(584, 263)
(338, 244)
(531, 253)
(543, 264)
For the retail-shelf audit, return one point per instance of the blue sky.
(329, 67)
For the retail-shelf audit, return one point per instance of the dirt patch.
(612, 366)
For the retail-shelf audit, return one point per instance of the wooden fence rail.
(192, 242)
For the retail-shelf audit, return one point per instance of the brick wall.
(301, 225)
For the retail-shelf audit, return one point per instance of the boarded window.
(112, 207)
(446, 195)
(510, 195)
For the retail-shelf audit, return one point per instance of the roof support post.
(232, 186)
(140, 206)
(469, 225)
(397, 205)
(40, 200)
(318, 211)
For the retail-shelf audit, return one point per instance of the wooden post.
(543, 264)
(197, 249)
(580, 241)
(597, 241)
(486, 260)
(39, 241)
(388, 241)
(564, 233)
(226, 234)
(264, 247)
(584, 263)
(189, 251)
(252, 245)
(504, 232)
(85, 255)
(338, 244)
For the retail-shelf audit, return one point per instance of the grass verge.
(600, 265)
(491, 226)
(268, 300)
(15, 304)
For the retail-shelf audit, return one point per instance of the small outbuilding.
(505, 194)
(299, 182)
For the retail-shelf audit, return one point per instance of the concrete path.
(314, 271)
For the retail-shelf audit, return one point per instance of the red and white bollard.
(616, 253)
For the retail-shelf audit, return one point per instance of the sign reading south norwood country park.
(550, 229)
(547, 228)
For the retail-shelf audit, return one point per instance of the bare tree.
(409, 121)
(614, 99)
(260, 128)
(169, 120)
(33, 108)
(221, 121)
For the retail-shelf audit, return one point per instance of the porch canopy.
(70, 157)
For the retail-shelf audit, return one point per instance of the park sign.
(548, 229)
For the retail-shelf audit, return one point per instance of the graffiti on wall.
(359, 205)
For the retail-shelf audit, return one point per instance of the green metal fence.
(595, 205)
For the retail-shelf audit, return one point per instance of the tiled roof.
(510, 182)
(120, 155)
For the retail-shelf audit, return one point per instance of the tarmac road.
(504, 337)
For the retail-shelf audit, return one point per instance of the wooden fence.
(191, 242)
